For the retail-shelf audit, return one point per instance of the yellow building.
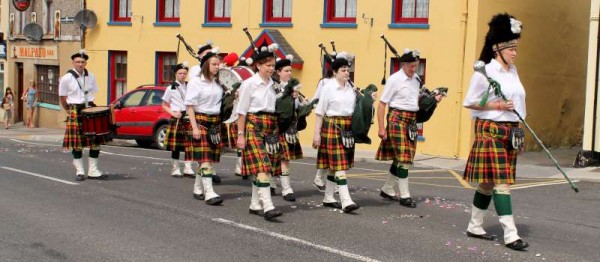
(135, 39)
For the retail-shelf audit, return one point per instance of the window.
(327, 66)
(118, 74)
(411, 11)
(166, 62)
(49, 20)
(168, 11)
(218, 11)
(47, 83)
(278, 11)
(121, 10)
(134, 99)
(340, 11)
(420, 70)
(155, 98)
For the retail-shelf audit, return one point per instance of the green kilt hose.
(332, 154)
(398, 145)
(74, 138)
(492, 158)
(175, 138)
(255, 159)
(202, 150)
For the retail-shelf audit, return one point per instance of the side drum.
(96, 121)
(232, 75)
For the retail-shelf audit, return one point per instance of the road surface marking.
(458, 177)
(530, 185)
(40, 176)
(295, 240)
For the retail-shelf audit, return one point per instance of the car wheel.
(144, 143)
(159, 136)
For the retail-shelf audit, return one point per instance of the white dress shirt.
(175, 96)
(401, 92)
(510, 85)
(204, 95)
(336, 100)
(320, 85)
(194, 71)
(70, 88)
(256, 96)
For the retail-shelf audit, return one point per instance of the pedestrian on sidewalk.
(30, 97)
(493, 157)
(9, 106)
(175, 136)
(77, 90)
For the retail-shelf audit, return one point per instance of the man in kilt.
(258, 134)
(77, 90)
(203, 106)
(333, 134)
(176, 132)
(493, 157)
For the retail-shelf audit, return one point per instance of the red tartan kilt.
(233, 130)
(175, 138)
(331, 154)
(202, 150)
(290, 151)
(398, 146)
(255, 158)
(74, 138)
(492, 158)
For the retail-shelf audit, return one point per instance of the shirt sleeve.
(388, 92)
(244, 99)
(319, 87)
(323, 103)
(167, 95)
(63, 86)
(192, 92)
(477, 88)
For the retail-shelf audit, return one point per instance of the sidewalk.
(529, 164)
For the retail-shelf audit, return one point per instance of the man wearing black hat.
(77, 91)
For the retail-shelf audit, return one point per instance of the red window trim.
(161, 63)
(400, 20)
(116, 17)
(269, 13)
(331, 14)
(113, 72)
(161, 13)
(211, 13)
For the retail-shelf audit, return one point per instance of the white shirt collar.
(498, 67)
(257, 80)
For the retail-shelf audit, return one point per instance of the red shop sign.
(21, 5)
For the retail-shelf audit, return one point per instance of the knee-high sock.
(503, 205)
(481, 201)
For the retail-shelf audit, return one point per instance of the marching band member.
(258, 132)
(333, 121)
(321, 174)
(202, 50)
(203, 104)
(493, 158)
(76, 89)
(176, 132)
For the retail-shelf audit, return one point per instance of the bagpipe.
(364, 111)
(494, 86)
(427, 101)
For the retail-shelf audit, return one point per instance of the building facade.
(134, 43)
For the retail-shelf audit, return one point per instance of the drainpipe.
(465, 21)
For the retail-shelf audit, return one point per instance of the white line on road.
(38, 175)
(293, 239)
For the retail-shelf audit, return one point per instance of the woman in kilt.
(321, 174)
(258, 132)
(333, 123)
(493, 158)
(176, 132)
(203, 106)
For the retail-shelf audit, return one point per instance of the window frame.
(115, 14)
(161, 12)
(268, 12)
(210, 13)
(113, 80)
(330, 14)
(48, 90)
(397, 14)
(160, 59)
(395, 66)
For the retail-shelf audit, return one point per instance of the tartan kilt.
(233, 130)
(331, 154)
(74, 138)
(176, 135)
(398, 146)
(202, 150)
(255, 158)
(492, 158)
(290, 151)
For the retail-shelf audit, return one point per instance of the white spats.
(286, 187)
(345, 196)
(187, 169)
(78, 164)
(475, 225)
(329, 191)
(175, 170)
(510, 229)
(403, 186)
(264, 194)
(255, 200)
(198, 189)
(390, 185)
(93, 170)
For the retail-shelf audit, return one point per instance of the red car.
(139, 115)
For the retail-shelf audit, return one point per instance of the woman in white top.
(493, 158)
(176, 133)
(258, 132)
(333, 125)
(203, 106)
(321, 174)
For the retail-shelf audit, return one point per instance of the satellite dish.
(86, 19)
(33, 32)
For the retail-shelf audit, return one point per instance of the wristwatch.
(240, 133)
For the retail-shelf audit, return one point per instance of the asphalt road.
(140, 213)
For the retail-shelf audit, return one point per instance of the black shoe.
(187, 175)
(517, 245)
(245, 177)
(289, 197)
(350, 208)
(269, 215)
(79, 178)
(273, 191)
(333, 205)
(199, 196)
(320, 188)
(216, 179)
(408, 202)
(482, 236)
(98, 177)
(237, 174)
(214, 201)
(388, 197)
(255, 212)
